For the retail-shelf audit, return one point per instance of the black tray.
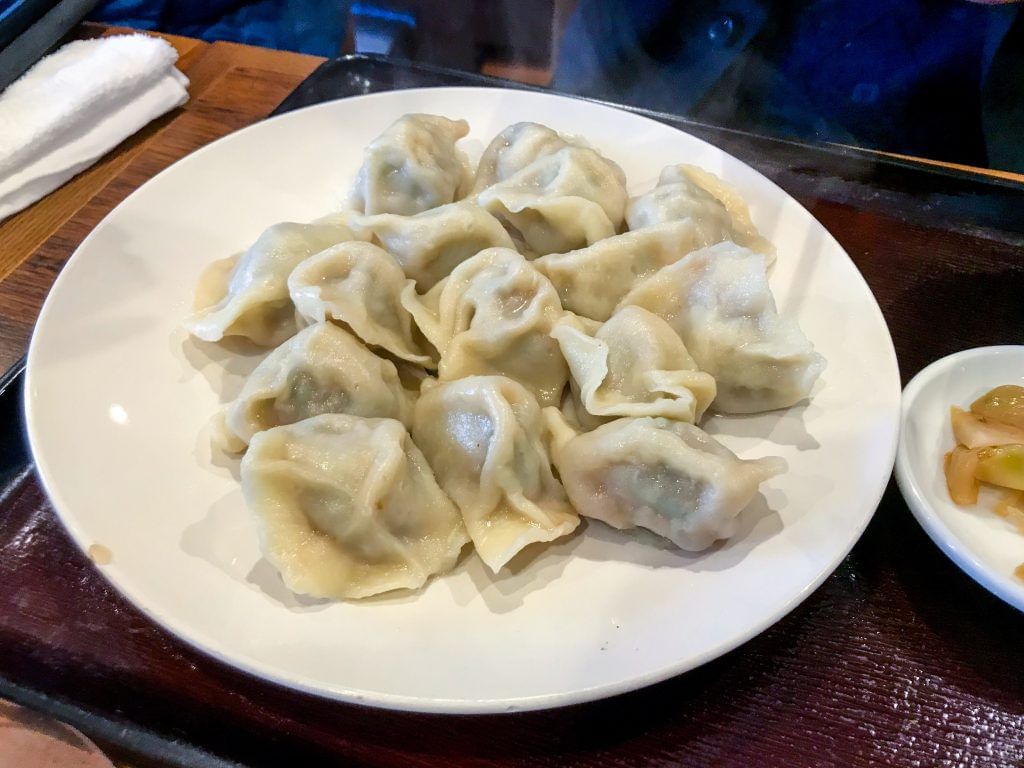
(845, 177)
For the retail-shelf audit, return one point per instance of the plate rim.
(464, 706)
(938, 530)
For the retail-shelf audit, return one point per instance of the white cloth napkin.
(76, 104)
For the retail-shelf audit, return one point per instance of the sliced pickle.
(1001, 465)
(1004, 404)
(960, 467)
(977, 432)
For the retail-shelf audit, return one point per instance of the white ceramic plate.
(118, 401)
(984, 545)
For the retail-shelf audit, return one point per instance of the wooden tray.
(899, 658)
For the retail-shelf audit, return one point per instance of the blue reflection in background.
(936, 78)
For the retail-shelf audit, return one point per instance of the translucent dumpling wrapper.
(513, 149)
(561, 201)
(632, 365)
(359, 286)
(429, 245)
(718, 300)
(716, 210)
(412, 166)
(322, 369)
(591, 281)
(493, 316)
(667, 476)
(483, 437)
(247, 295)
(347, 507)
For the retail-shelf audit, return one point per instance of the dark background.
(942, 79)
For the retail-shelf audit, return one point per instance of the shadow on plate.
(787, 427)
(214, 538)
(541, 564)
(265, 577)
(532, 569)
(225, 537)
(225, 364)
(209, 452)
(756, 524)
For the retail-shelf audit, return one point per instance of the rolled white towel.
(75, 105)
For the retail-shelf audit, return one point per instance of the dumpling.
(247, 295)
(667, 476)
(482, 435)
(360, 285)
(429, 245)
(412, 166)
(561, 201)
(591, 281)
(493, 315)
(718, 300)
(347, 507)
(632, 365)
(323, 369)
(513, 149)
(689, 193)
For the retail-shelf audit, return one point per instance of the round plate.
(119, 399)
(984, 545)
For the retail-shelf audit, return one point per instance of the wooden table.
(231, 86)
(897, 659)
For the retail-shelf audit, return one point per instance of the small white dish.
(986, 547)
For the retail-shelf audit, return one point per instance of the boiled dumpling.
(718, 300)
(347, 507)
(591, 281)
(689, 193)
(360, 285)
(632, 365)
(323, 369)
(247, 295)
(493, 315)
(429, 245)
(561, 201)
(482, 435)
(667, 476)
(513, 149)
(412, 166)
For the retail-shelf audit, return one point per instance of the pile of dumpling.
(484, 357)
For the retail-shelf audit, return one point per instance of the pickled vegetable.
(1004, 404)
(1012, 500)
(975, 431)
(1001, 465)
(961, 464)
(990, 449)
(1011, 507)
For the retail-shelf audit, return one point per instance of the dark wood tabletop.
(897, 659)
